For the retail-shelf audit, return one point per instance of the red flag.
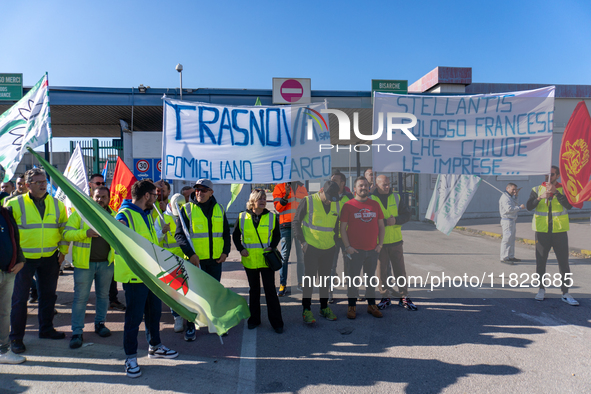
(123, 179)
(575, 168)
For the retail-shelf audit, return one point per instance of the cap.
(331, 190)
(204, 182)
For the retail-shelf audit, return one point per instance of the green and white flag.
(188, 290)
(76, 173)
(25, 124)
(450, 199)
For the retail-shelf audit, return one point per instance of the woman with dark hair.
(257, 231)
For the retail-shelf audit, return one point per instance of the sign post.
(11, 87)
(388, 86)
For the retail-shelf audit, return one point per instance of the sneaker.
(384, 303)
(53, 334)
(10, 358)
(360, 299)
(515, 260)
(179, 324)
(328, 314)
(351, 312)
(76, 341)
(331, 300)
(374, 311)
(540, 295)
(161, 352)
(190, 334)
(406, 303)
(116, 305)
(569, 299)
(17, 346)
(282, 291)
(300, 288)
(507, 261)
(132, 369)
(308, 317)
(101, 330)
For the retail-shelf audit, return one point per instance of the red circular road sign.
(142, 165)
(291, 90)
(159, 165)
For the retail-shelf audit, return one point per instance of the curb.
(573, 251)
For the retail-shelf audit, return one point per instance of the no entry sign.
(291, 90)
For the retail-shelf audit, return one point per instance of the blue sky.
(339, 45)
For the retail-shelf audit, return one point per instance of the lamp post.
(179, 68)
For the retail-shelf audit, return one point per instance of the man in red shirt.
(362, 229)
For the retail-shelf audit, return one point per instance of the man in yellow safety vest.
(550, 223)
(41, 220)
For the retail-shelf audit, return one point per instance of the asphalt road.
(462, 339)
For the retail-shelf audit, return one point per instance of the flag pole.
(491, 185)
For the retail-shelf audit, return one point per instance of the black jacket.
(185, 244)
(13, 232)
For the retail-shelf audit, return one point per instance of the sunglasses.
(202, 190)
(99, 183)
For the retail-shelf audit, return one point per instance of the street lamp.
(179, 68)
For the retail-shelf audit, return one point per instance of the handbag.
(272, 257)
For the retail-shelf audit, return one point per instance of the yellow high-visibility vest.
(560, 222)
(169, 242)
(393, 233)
(318, 226)
(199, 231)
(40, 237)
(250, 239)
(136, 222)
(75, 232)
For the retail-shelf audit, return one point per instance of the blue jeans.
(102, 274)
(286, 241)
(6, 287)
(141, 303)
(368, 259)
(47, 270)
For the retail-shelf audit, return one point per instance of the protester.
(93, 260)
(396, 213)
(141, 302)
(344, 196)
(368, 174)
(21, 186)
(508, 209)
(286, 198)
(96, 181)
(315, 225)
(257, 231)
(41, 220)
(362, 229)
(550, 223)
(12, 260)
(7, 187)
(209, 245)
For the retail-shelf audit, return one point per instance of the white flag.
(27, 123)
(450, 199)
(76, 173)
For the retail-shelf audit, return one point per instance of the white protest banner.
(485, 134)
(450, 199)
(76, 173)
(244, 144)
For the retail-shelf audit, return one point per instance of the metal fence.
(96, 153)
